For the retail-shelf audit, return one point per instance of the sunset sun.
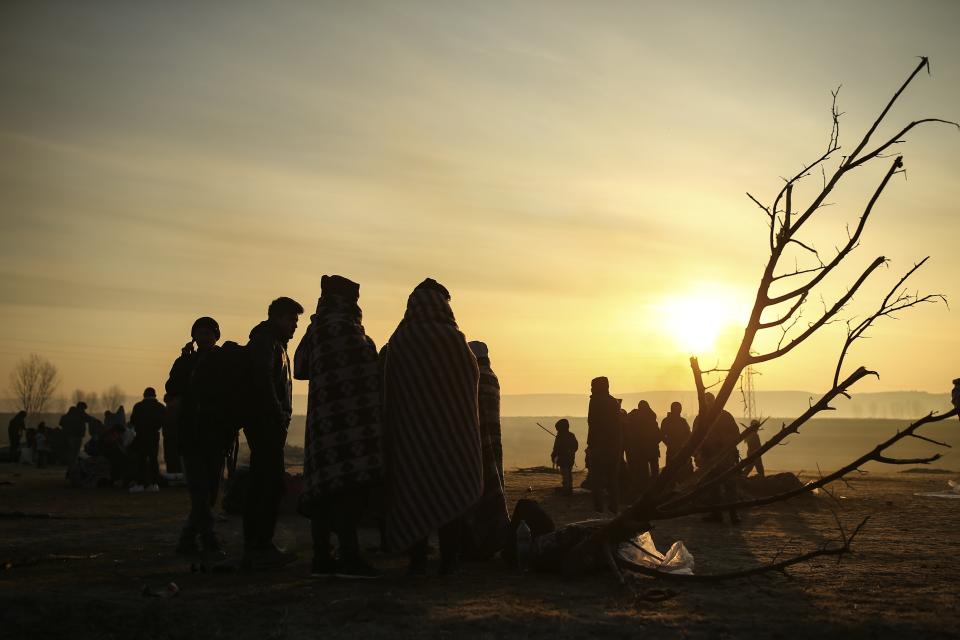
(695, 319)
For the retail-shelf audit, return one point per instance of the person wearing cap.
(604, 446)
(564, 454)
(200, 440)
(147, 420)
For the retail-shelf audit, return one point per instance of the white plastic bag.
(641, 550)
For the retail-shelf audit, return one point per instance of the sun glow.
(697, 318)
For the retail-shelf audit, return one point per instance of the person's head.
(754, 424)
(709, 399)
(340, 286)
(433, 285)
(82, 406)
(284, 313)
(205, 332)
(21, 415)
(600, 385)
(562, 425)
(149, 393)
(42, 427)
(480, 350)
(676, 408)
(643, 405)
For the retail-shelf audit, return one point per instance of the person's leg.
(418, 558)
(598, 488)
(255, 489)
(153, 464)
(200, 518)
(266, 487)
(323, 561)
(567, 474)
(759, 466)
(451, 543)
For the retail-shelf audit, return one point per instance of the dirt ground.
(81, 574)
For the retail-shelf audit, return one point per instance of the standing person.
(487, 523)
(74, 423)
(675, 431)
(342, 459)
(641, 443)
(718, 453)
(42, 445)
(604, 445)
(15, 429)
(564, 454)
(271, 400)
(202, 431)
(753, 445)
(432, 429)
(147, 420)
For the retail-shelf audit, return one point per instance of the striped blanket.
(342, 447)
(431, 421)
(488, 521)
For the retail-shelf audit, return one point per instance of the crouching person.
(342, 443)
(271, 406)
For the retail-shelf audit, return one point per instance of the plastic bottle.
(524, 546)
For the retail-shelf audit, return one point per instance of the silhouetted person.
(718, 453)
(74, 423)
(342, 454)
(675, 431)
(955, 396)
(604, 445)
(202, 432)
(147, 420)
(15, 430)
(753, 445)
(42, 444)
(564, 454)
(431, 419)
(266, 432)
(641, 443)
(487, 522)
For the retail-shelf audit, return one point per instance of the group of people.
(407, 435)
(623, 449)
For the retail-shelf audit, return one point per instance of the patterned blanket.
(431, 420)
(342, 447)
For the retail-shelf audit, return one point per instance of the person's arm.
(301, 357)
(261, 350)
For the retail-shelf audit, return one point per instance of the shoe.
(152, 488)
(323, 567)
(187, 546)
(270, 557)
(357, 569)
(136, 488)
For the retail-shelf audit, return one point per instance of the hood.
(264, 329)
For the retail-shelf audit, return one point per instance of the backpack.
(220, 383)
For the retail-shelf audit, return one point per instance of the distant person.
(343, 457)
(641, 443)
(42, 446)
(753, 445)
(202, 433)
(675, 431)
(955, 396)
(147, 421)
(28, 453)
(431, 417)
(718, 454)
(271, 405)
(74, 423)
(564, 454)
(604, 446)
(15, 430)
(487, 523)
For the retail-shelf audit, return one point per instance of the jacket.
(271, 380)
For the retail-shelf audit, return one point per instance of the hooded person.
(675, 431)
(564, 454)
(487, 523)
(641, 443)
(432, 430)
(15, 429)
(604, 445)
(342, 443)
(147, 421)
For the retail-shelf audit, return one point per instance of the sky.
(575, 174)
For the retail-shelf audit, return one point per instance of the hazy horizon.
(575, 175)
